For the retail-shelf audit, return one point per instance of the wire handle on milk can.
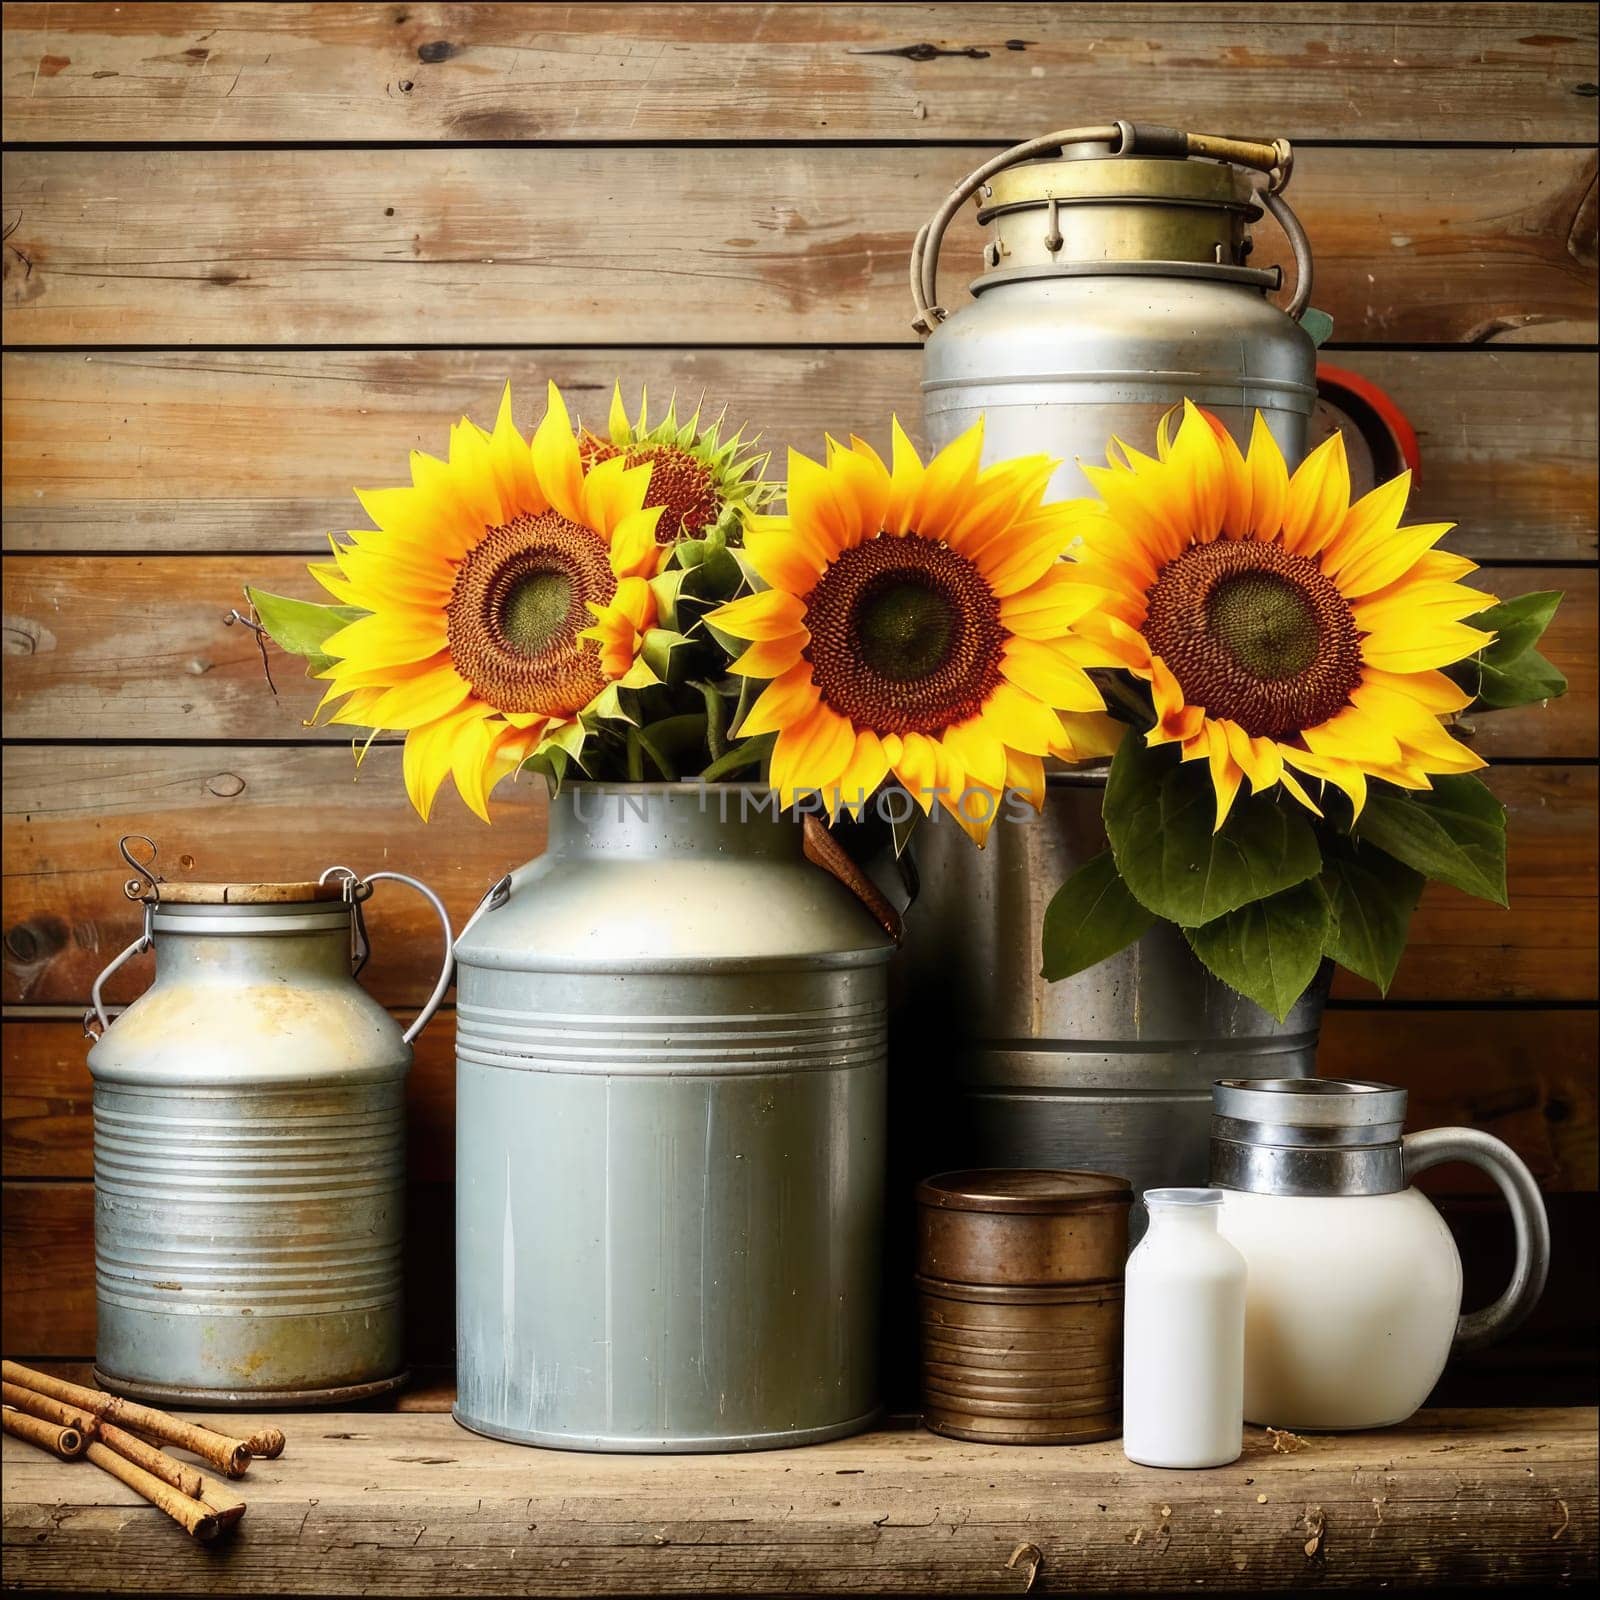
(1274, 158)
(146, 886)
(357, 890)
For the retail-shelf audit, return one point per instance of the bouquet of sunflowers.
(627, 607)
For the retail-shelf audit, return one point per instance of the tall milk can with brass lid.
(1117, 284)
(249, 1149)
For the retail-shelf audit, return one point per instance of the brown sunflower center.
(680, 482)
(518, 605)
(906, 636)
(1256, 635)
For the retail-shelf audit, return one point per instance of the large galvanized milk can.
(1118, 285)
(670, 1133)
(249, 1124)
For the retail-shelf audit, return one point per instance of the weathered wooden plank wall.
(256, 252)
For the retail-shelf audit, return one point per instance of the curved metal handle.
(1275, 158)
(97, 1014)
(925, 248)
(447, 971)
(1482, 1150)
(1299, 243)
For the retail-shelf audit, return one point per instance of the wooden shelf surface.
(391, 1503)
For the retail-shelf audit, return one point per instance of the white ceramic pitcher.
(1353, 1300)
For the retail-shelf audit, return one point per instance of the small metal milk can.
(1117, 283)
(249, 1149)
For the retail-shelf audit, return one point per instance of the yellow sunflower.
(704, 483)
(1279, 626)
(917, 623)
(506, 591)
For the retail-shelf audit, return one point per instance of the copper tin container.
(1020, 1302)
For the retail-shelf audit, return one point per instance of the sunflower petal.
(769, 658)
(556, 462)
(1044, 672)
(1423, 648)
(1022, 722)
(1376, 566)
(788, 699)
(866, 768)
(809, 756)
(767, 614)
(1318, 499)
(905, 481)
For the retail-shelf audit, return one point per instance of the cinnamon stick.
(64, 1442)
(230, 1456)
(198, 1520)
(186, 1480)
(49, 1410)
(267, 1443)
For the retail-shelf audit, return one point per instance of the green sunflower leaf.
(1517, 624)
(1511, 672)
(301, 627)
(665, 588)
(1524, 682)
(747, 754)
(1091, 916)
(1371, 897)
(1455, 832)
(1160, 814)
(664, 652)
(1269, 950)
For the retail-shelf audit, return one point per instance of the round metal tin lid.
(1023, 1189)
(245, 894)
(1309, 1103)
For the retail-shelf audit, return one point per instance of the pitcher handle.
(447, 971)
(1435, 1146)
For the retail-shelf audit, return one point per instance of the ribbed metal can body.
(250, 1167)
(670, 1136)
(1061, 364)
(1110, 1069)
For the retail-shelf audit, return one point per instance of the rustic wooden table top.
(409, 1503)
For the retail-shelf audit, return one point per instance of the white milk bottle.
(1183, 1338)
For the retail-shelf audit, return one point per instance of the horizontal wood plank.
(906, 72)
(258, 450)
(134, 647)
(410, 1504)
(788, 244)
(232, 813)
(1528, 1077)
(242, 813)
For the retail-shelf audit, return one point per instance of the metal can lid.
(245, 894)
(1023, 1189)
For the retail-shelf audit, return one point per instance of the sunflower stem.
(716, 720)
(740, 712)
(635, 757)
(663, 766)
